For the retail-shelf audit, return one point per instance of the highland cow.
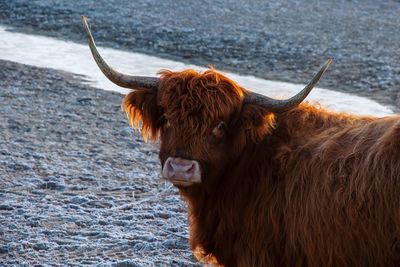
(271, 182)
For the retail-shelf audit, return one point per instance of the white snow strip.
(76, 58)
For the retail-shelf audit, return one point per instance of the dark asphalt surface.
(282, 40)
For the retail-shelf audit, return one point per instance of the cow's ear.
(142, 110)
(254, 124)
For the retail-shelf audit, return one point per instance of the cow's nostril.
(169, 166)
(191, 169)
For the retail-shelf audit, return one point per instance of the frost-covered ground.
(77, 187)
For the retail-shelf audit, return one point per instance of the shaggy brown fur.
(303, 188)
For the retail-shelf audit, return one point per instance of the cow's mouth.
(181, 172)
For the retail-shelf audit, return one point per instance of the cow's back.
(341, 188)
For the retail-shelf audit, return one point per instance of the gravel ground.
(77, 187)
(283, 40)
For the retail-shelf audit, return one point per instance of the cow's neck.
(221, 213)
(306, 121)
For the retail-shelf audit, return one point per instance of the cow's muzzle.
(182, 172)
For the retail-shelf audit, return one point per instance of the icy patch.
(76, 58)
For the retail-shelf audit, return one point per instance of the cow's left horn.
(123, 80)
(280, 106)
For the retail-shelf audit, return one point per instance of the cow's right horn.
(123, 80)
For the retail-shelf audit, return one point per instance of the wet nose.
(181, 170)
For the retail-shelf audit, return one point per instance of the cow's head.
(203, 120)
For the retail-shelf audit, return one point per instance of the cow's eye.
(166, 121)
(219, 130)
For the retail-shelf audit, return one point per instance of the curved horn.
(280, 106)
(114, 76)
